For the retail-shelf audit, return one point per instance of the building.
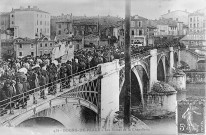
(177, 15)
(5, 20)
(168, 27)
(197, 21)
(193, 39)
(55, 19)
(142, 30)
(201, 65)
(25, 47)
(36, 22)
(64, 29)
(44, 46)
(7, 49)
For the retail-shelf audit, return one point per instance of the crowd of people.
(20, 77)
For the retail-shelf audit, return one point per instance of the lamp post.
(127, 94)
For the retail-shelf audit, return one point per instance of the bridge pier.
(179, 58)
(109, 91)
(171, 59)
(153, 68)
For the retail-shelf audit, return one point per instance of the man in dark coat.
(26, 88)
(42, 83)
(3, 98)
(19, 92)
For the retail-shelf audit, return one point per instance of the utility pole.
(127, 94)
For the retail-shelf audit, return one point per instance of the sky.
(151, 9)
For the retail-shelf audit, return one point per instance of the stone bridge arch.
(139, 80)
(68, 115)
(48, 109)
(191, 58)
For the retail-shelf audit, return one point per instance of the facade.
(55, 19)
(138, 29)
(7, 48)
(36, 22)
(194, 39)
(24, 47)
(178, 15)
(168, 27)
(44, 46)
(197, 22)
(5, 20)
(142, 30)
(64, 30)
(201, 65)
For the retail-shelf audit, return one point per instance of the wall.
(44, 49)
(26, 27)
(26, 49)
(189, 58)
(181, 15)
(109, 89)
(65, 28)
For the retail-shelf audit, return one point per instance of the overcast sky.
(151, 9)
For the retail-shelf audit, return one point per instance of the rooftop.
(34, 8)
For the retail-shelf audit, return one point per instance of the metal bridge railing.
(41, 92)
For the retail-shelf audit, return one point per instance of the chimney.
(28, 6)
(168, 11)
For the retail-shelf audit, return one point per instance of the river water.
(167, 126)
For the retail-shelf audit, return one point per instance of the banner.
(69, 53)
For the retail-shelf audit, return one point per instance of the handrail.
(6, 104)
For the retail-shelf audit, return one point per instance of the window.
(140, 24)
(40, 22)
(37, 30)
(12, 22)
(40, 44)
(190, 25)
(197, 25)
(132, 32)
(12, 15)
(41, 52)
(45, 44)
(45, 51)
(50, 44)
(60, 26)
(140, 32)
(20, 45)
(45, 22)
(194, 25)
(37, 15)
(32, 53)
(37, 22)
(32, 46)
(20, 53)
(59, 32)
(47, 30)
(132, 23)
(176, 19)
(191, 19)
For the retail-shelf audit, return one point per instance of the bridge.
(99, 89)
(191, 58)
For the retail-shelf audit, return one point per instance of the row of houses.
(21, 47)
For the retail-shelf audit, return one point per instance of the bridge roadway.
(74, 83)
